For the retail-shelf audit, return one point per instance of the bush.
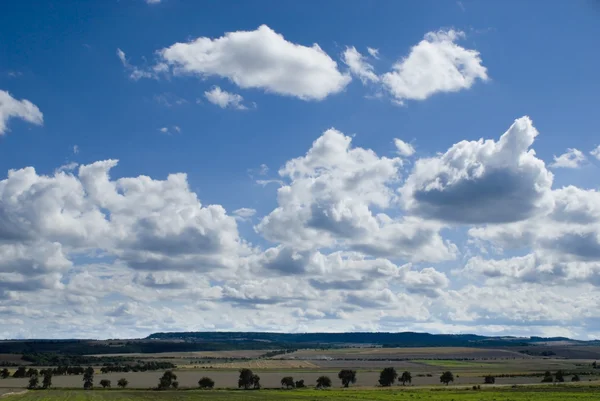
(323, 382)
(206, 383)
(387, 377)
(123, 382)
(105, 383)
(347, 376)
(547, 377)
(300, 383)
(489, 379)
(447, 377)
(575, 378)
(167, 380)
(288, 382)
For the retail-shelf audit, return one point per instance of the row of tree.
(559, 377)
(249, 380)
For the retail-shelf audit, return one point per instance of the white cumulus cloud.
(572, 158)
(225, 99)
(482, 181)
(13, 108)
(596, 153)
(359, 66)
(260, 59)
(436, 64)
(404, 148)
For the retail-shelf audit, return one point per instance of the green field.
(554, 393)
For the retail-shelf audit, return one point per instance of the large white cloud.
(82, 252)
(436, 64)
(13, 108)
(334, 197)
(260, 59)
(482, 181)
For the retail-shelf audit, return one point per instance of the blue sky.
(234, 94)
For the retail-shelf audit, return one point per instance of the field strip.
(13, 393)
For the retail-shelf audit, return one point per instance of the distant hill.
(222, 341)
(404, 339)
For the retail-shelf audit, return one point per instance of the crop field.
(555, 393)
(406, 353)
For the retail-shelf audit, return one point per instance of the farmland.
(561, 393)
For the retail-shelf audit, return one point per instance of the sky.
(294, 166)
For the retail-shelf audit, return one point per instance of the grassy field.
(554, 393)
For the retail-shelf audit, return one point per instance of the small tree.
(88, 378)
(32, 372)
(167, 379)
(33, 382)
(560, 376)
(288, 382)
(105, 383)
(300, 383)
(406, 377)
(246, 379)
(4, 373)
(47, 382)
(206, 383)
(447, 377)
(347, 376)
(20, 373)
(123, 382)
(594, 365)
(489, 379)
(323, 382)
(256, 382)
(387, 377)
(575, 378)
(547, 377)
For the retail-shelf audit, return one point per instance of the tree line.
(249, 380)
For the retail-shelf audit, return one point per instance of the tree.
(595, 365)
(547, 377)
(447, 377)
(300, 383)
(347, 376)
(47, 381)
(32, 372)
(123, 382)
(560, 376)
(105, 383)
(256, 382)
(288, 382)
(88, 378)
(33, 382)
(323, 382)
(248, 379)
(245, 379)
(406, 377)
(206, 382)
(387, 377)
(4, 373)
(175, 384)
(575, 378)
(167, 379)
(20, 373)
(489, 379)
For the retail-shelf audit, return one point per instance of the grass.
(557, 393)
